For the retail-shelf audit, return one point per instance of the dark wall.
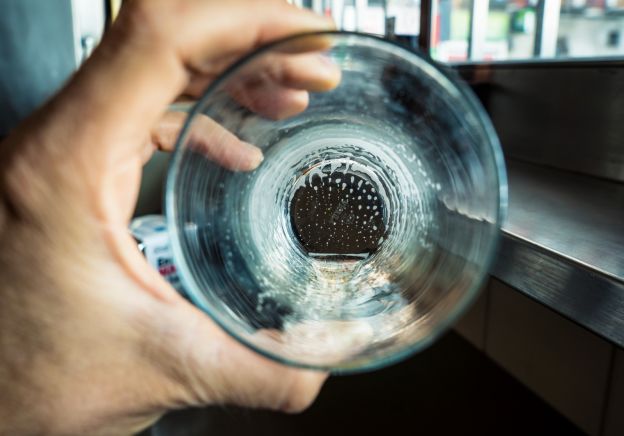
(36, 55)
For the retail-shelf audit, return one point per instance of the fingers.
(249, 25)
(208, 138)
(273, 85)
(251, 380)
(213, 368)
(270, 99)
(312, 72)
(277, 85)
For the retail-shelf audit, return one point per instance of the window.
(501, 30)
(381, 17)
(491, 30)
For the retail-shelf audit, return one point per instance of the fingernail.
(254, 156)
(327, 61)
(329, 71)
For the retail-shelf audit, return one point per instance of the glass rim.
(190, 285)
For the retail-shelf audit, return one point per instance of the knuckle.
(136, 12)
(145, 17)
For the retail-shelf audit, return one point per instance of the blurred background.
(494, 30)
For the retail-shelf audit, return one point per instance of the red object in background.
(167, 270)
(596, 4)
(435, 32)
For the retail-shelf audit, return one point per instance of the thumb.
(216, 369)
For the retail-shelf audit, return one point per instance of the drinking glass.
(370, 225)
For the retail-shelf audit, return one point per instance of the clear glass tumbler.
(371, 223)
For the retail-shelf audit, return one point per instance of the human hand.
(92, 340)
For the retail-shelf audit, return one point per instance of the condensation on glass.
(369, 225)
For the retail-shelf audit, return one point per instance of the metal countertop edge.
(587, 296)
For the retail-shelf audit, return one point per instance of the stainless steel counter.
(563, 245)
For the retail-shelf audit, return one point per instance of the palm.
(108, 338)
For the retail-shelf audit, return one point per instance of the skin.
(92, 340)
